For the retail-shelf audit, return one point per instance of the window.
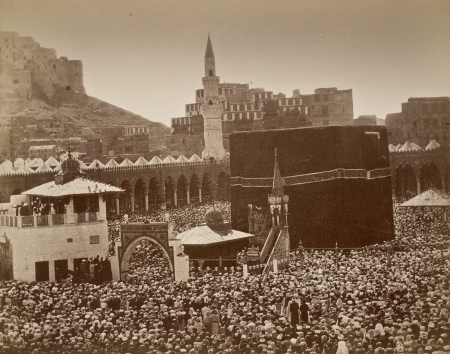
(415, 124)
(211, 73)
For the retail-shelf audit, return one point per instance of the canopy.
(51, 161)
(44, 168)
(430, 198)
(155, 161)
(392, 148)
(204, 235)
(112, 163)
(7, 163)
(141, 162)
(5, 169)
(433, 144)
(195, 158)
(78, 186)
(410, 147)
(23, 169)
(126, 163)
(169, 159)
(96, 163)
(19, 161)
(182, 159)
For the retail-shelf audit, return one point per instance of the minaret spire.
(277, 188)
(210, 62)
(211, 109)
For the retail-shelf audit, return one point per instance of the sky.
(147, 56)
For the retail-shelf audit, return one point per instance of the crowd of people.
(370, 301)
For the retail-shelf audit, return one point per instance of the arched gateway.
(161, 234)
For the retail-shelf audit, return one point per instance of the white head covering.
(379, 327)
(342, 348)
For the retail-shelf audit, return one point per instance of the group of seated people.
(371, 302)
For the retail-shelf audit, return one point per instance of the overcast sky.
(147, 56)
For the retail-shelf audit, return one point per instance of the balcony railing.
(48, 220)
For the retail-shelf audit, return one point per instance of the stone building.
(28, 69)
(421, 120)
(70, 226)
(245, 109)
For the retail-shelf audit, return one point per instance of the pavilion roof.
(78, 186)
(430, 198)
(205, 235)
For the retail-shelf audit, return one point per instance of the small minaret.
(211, 108)
(277, 198)
(279, 210)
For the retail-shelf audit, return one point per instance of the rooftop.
(78, 186)
(204, 235)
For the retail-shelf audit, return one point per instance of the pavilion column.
(418, 185)
(200, 195)
(175, 197)
(117, 205)
(402, 186)
(188, 195)
(146, 202)
(132, 201)
(443, 183)
(162, 196)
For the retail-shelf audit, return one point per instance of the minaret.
(211, 108)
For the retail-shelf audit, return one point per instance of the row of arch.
(409, 181)
(172, 191)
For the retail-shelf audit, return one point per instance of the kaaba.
(337, 179)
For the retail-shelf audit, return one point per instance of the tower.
(211, 108)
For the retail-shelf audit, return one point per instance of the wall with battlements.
(27, 69)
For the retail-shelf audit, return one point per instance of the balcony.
(49, 220)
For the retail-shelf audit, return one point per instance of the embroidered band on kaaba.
(339, 173)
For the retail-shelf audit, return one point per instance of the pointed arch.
(182, 190)
(447, 178)
(223, 186)
(430, 176)
(125, 198)
(193, 188)
(16, 191)
(405, 181)
(153, 192)
(140, 191)
(206, 187)
(170, 188)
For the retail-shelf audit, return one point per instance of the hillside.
(91, 113)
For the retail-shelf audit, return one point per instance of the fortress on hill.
(27, 69)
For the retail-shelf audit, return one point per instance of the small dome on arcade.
(213, 216)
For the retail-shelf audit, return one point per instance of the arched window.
(67, 88)
(211, 73)
(210, 102)
(54, 66)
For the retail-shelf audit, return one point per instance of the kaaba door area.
(337, 178)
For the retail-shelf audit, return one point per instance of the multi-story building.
(368, 120)
(244, 109)
(420, 121)
(42, 151)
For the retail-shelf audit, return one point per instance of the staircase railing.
(269, 264)
(270, 240)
